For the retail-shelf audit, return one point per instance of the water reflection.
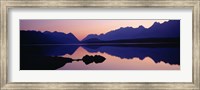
(168, 55)
(76, 57)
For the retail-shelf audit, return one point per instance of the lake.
(117, 57)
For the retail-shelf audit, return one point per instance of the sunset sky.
(81, 28)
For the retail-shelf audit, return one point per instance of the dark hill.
(37, 37)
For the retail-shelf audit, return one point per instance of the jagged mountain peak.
(166, 29)
(141, 27)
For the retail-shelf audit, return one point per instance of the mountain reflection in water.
(71, 57)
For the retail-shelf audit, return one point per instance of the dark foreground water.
(108, 57)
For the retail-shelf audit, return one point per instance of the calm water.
(120, 57)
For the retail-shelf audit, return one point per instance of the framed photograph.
(103, 44)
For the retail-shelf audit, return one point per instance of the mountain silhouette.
(37, 37)
(168, 29)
